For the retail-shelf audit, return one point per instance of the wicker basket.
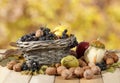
(46, 52)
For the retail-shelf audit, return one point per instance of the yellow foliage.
(87, 19)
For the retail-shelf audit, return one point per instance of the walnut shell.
(17, 67)
(66, 74)
(60, 69)
(96, 70)
(51, 71)
(86, 67)
(79, 72)
(11, 64)
(88, 74)
(82, 63)
(57, 65)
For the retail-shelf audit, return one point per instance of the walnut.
(60, 69)
(88, 74)
(96, 70)
(79, 72)
(86, 67)
(82, 63)
(66, 74)
(11, 64)
(51, 71)
(17, 67)
(57, 65)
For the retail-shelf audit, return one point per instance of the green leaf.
(116, 64)
(111, 69)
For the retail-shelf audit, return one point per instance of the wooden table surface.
(9, 76)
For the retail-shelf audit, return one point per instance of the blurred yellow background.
(87, 19)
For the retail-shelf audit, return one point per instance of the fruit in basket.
(60, 30)
(95, 53)
(70, 61)
(38, 33)
(45, 33)
(81, 48)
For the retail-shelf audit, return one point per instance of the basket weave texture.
(46, 52)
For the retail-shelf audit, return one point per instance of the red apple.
(81, 48)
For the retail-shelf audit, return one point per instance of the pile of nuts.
(84, 70)
(14, 65)
(87, 72)
(110, 58)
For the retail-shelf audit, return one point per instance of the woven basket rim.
(48, 44)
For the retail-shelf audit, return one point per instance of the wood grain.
(4, 72)
(96, 79)
(17, 77)
(42, 79)
(59, 79)
(111, 77)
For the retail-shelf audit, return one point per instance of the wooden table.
(9, 76)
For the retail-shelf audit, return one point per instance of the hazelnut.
(17, 67)
(96, 70)
(60, 69)
(38, 33)
(86, 67)
(82, 63)
(111, 55)
(109, 61)
(66, 74)
(11, 64)
(88, 74)
(115, 57)
(51, 71)
(79, 72)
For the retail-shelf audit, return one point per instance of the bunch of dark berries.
(42, 34)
